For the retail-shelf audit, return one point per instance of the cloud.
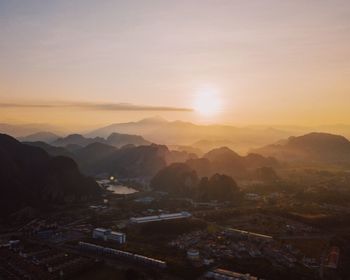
(96, 106)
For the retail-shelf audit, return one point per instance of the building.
(101, 233)
(193, 254)
(248, 234)
(333, 258)
(162, 217)
(119, 237)
(222, 274)
(252, 196)
(108, 234)
(122, 254)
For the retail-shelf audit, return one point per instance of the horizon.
(282, 131)
(169, 120)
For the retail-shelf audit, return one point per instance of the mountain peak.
(318, 138)
(315, 146)
(153, 120)
(220, 153)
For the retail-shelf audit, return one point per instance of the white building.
(117, 236)
(108, 234)
(162, 217)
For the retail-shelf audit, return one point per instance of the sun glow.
(207, 101)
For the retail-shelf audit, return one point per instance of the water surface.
(120, 189)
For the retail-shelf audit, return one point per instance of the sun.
(207, 101)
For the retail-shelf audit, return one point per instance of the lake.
(120, 189)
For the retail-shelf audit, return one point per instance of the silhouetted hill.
(265, 174)
(208, 145)
(95, 151)
(202, 166)
(177, 178)
(188, 149)
(147, 160)
(76, 139)
(73, 147)
(44, 136)
(312, 147)
(51, 150)
(120, 140)
(181, 180)
(225, 161)
(127, 161)
(92, 156)
(179, 156)
(30, 177)
(115, 139)
(217, 187)
(141, 161)
(253, 161)
(222, 154)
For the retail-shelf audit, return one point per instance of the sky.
(236, 62)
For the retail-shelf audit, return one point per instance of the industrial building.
(248, 234)
(101, 233)
(222, 274)
(122, 254)
(117, 236)
(108, 234)
(162, 217)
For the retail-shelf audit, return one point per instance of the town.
(165, 236)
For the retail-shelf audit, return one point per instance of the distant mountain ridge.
(159, 130)
(180, 133)
(76, 139)
(21, 130)
(43, 136)
(114, 139)
(312, 147)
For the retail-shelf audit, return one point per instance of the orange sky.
(270, 62)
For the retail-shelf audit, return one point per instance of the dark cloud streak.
(96, 106)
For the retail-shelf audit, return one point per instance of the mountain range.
(146, 160)
(127, 161)
(114, 139)
(36, 173)
(183, 134)
(159, 130)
